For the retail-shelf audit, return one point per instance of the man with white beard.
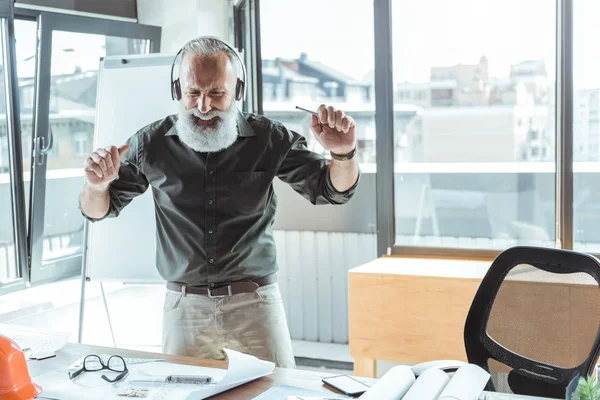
(204, 137)
(211, 169)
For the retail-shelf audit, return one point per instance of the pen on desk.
(192, 379)
(172, 379)
(308, 111)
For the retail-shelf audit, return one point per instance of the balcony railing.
(471, 205)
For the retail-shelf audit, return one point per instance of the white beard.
(207, 139)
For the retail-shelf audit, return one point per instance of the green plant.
(587, 389)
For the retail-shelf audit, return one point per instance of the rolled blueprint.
(392, 386)
(428, 386)
(467, 383)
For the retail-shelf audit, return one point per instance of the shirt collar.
(243, 127)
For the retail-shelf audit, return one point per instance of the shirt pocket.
(250, 191)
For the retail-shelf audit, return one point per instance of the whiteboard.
(133, 91)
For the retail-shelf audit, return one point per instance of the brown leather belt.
(216, 290)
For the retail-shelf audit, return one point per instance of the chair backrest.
(534, 323)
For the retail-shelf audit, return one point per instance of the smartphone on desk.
(346, 384)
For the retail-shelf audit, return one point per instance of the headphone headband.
(240, 87)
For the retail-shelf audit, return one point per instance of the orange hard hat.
(15, 382)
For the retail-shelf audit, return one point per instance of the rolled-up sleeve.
(130, 183)
(308, 173)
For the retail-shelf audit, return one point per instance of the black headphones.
(240, 86)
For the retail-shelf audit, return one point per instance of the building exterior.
(452, 118)
(464, 110)
(586, 128)
(479, 134)
(288, 83)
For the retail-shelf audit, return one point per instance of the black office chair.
(534, 323)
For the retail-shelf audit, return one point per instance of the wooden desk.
(414, 310)
(292, 377)
(299, 378)
(410, 310)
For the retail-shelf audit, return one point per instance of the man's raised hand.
(102, 166)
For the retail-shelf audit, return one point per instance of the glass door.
(70, 52)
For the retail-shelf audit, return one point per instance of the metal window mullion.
(14, 146)
(153, 41)
(384, 123)
(258, 55)
(564, 124)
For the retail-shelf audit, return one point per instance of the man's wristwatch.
(343, 157)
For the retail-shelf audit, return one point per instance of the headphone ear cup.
(176, 89)
(239, 89)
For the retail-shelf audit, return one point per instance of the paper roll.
(392, 386)
(467, 383)
(428, 386)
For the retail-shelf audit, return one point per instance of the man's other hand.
(102, 166)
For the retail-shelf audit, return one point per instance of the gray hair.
(209, 46)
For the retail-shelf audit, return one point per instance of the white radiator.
(313, 278)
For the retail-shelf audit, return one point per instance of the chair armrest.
(444, 365)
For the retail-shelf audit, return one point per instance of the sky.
(428, 33)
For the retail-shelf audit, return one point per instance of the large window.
(471, 115)
(323, 57)
(474, 123)
(586, 126)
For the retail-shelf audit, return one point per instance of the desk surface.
(464, 269)
(72, 351)
(300, 378)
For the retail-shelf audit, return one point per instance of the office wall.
(182, 20)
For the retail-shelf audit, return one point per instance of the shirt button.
(210, 231)
(211, 172)
(212, 284)
(211, 201)
(211, 261)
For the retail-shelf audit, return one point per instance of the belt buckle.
(211, 295)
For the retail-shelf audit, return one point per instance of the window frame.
(245, 27)
(15, 151)
(563, 153)
(47, 21)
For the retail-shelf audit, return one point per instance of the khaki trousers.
(252, 323)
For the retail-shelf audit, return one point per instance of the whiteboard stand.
(84, 279)
(112, 332)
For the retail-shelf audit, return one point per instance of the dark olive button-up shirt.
(214, 211)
